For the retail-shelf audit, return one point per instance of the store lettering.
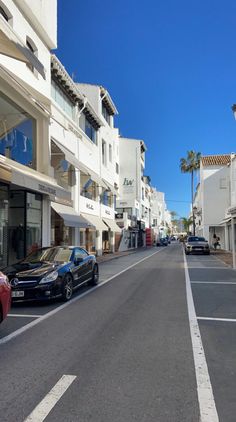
(128, 182)
(47, 189)
(90, 206)
(107, 212)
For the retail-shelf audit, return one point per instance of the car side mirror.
(78, 261)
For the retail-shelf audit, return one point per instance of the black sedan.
(52, 272)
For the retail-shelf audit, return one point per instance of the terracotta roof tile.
(216, 160)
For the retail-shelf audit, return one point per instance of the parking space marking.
(213, 282)
(31, 324)
(50, 400)
(210, 268)
(216, 319)
(24, 315)
(207, 407)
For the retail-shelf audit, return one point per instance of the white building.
(132, 204)
(212, 198)
(27, 34)
(84, 160)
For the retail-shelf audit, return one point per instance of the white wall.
(215, 186)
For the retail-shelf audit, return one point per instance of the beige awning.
(112, 225)
(95, 221)
(225, 220)
(70, 216)
(12, 46)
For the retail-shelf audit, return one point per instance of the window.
(17, 133)
(117, 168)
(106, 198)
(87, 187)
(62, 100)
(104, 153)
(110, 153)
(90, 131)
(32, 47)
(142, 193)
(106, 114)
(4, 12)
(80, 253)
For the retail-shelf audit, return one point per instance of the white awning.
(225, 220)
(94, 176)
(12, 46)
(34, 180)
(70, 216)
(68, 154)
(112, 225)
(110, 187)
(95, 221)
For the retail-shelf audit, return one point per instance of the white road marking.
(210, 268)
(208, 412)
(24, 315)
(50, 400)
(31, 324)
(216, 319)
(213, 282)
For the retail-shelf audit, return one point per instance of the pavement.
(224, 256)
(125, 350)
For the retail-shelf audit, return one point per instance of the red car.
(5, 296)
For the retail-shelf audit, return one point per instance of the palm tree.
(186, 223)
(189, 165)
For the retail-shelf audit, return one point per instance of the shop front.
(20, 223)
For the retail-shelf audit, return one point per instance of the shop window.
(106, 198)
(17, 133)
(87, 187)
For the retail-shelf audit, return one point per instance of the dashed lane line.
(216, 319)
(31, 324)
(50, 400)
(213, 282)
(24, 315)
(207, 407)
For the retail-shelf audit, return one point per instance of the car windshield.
(49, 255)
(196, 239)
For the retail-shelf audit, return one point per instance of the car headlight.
(50, 277)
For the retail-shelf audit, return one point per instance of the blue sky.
(170, 67)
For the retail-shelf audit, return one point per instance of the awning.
(112, 225)
(225, 220)
(70, 216)
(95, 221)
(110, 187)
(68, 154)
(12, 46)
(34, 180)
(94, 176)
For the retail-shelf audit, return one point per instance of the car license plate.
(19, 293)
(198, 249)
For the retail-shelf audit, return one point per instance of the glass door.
(3, 225)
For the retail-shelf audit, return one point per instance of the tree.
(186, 223)
(189, 165)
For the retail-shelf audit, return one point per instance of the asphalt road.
(123, 351)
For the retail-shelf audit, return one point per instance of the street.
(123, 351)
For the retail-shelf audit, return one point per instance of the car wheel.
(67, 289)
(95, 276)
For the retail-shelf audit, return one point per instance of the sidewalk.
(110, 256)
(224, 256)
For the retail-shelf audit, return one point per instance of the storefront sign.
(128, 185)
(63, 201)
(46, 189)
(89, 206)
(107, 212)
(119, 215)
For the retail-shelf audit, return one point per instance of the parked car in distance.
(52, 272)
(5, 296)
(163, 241)
(196, 244)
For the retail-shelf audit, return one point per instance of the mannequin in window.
(18, 240)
